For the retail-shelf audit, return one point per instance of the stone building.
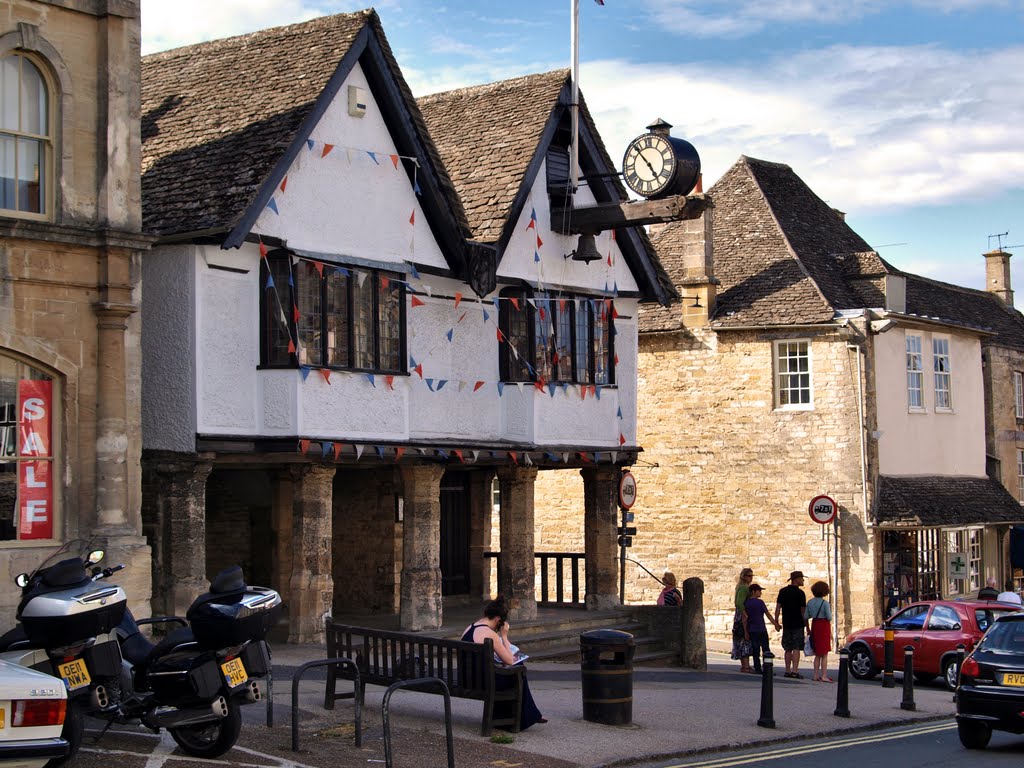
(799, 363)
(70, 244)
(359, 311)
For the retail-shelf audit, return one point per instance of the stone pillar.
(600, 521)
(517, 576)
(694, 647)
(180, 563)
(421, 548)
(481, 504)
(311, 584)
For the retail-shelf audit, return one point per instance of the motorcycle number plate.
(234, 672)
(75, 674)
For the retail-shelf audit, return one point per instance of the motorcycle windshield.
(79, 548)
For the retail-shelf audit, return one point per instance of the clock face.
(649, 164)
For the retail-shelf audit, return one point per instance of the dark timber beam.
(597, 218)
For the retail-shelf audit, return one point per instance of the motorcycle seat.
(14, 637)
(137, 650)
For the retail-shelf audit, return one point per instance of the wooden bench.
(468, 669)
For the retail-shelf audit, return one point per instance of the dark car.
(991, 692)
(933, 628)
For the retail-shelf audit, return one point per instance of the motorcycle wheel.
(74, 728)
(210, 739)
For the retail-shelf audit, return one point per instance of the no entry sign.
(823, 509)
(627, 490)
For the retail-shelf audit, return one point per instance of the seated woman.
(494, 624)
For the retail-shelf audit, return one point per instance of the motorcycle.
(66, 621)
(192, 682)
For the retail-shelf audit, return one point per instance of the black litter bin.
(606, 667)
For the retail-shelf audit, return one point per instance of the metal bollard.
(843, 688)
(767, 719)
(961, 652)
(888, 678)
(908, 679)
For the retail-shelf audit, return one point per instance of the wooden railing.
(568, 570)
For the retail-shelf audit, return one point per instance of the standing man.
(792, 603)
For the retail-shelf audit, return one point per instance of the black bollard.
(767, 719)
(843, 689)
(908, 679)
(888, 678)
(961, 652)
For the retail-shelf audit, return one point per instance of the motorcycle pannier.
(219, 621)
(66, 616)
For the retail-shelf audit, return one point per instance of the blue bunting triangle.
(551, 456)
(533, 214)
(486, 316)
(272, 205)
(309, 144)
(326, 447)
(416, 188)
(291, 281)
(451, 332)
(442, 454)
(270, 281)
(373, 157)
(597, 392)
(441, 383)
(619, 414)
(552, 387)
(414, 273)
(305, 372)
(369, 378)
(501, 388)
(380, 450)
(536, 256)
(430, 384)
(412, 361)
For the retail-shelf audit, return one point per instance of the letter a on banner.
(35, 476)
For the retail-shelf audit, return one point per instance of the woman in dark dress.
(494, 624)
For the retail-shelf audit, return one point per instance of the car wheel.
(974, 735)
(950, 673)
(74, 728)
(924, 677)
(862, 666)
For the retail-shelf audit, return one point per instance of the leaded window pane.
(584, 371)
(602, 343)
(562, 311)
(277, 303)
(309, 324)
(390, 324)
(363, 320)
(544, 341)
(337, 317)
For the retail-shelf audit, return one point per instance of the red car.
(934, 628)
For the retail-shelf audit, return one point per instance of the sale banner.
(35, 476)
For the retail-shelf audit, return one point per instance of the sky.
(907, 115)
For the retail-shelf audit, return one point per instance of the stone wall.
(725, 479)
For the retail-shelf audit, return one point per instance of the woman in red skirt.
(820, 613)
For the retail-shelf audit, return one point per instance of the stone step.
(646, 648)
(537, 642)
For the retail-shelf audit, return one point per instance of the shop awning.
(940, 501)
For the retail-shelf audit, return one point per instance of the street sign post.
(822, 509)
(627, 498)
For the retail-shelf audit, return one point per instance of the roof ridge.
(481, 88)
(299, 27)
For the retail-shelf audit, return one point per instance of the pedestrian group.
(806, 626)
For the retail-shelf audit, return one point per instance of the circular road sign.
(627, 490)
(823, 509)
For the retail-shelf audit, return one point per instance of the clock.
(658, 165)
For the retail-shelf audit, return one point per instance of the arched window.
(28, 431)
(26, 137)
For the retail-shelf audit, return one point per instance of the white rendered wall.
(930, 442)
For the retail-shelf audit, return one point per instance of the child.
(754, 628)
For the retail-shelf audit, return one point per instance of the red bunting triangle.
(561, 304)
(319, 267)
(263, 250)
(412, 217)
(327, 149)
(458, 298)
(416, 301)
(384, 282)
(326, 373)
(337, 450)
(543, 315)
(609, 258)
(515, 459)
(539, 383)
(390, 381)
(615, 312)
(284, 183)
(583, 455)
(515, 302)
(295, 313)
(555, 358)
(501, 336)
(419, 369)
(291, 347)
(583, 392)
(304, 446)
(394, 161)
(458, 453)
(622, 439)
(616, 359)
(539, 242)
(477, 385)
(462, 317)
(532, 224)
(399, 450)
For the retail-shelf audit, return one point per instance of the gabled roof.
(494, 138)
(222, 122)
(936, 500)
(783, 256)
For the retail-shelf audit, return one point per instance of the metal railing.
(568, 570)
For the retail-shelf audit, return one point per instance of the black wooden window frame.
(512, 370)
(271, 356)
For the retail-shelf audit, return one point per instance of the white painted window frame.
(1018, 394)
(781, 379)
(943, 379)
(915, 372)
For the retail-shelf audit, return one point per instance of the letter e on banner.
(35, 477)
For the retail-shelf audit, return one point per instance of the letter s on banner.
(35, 476)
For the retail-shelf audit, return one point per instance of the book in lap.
(520, 656)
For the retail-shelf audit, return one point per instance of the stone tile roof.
(487, 135)
(783, 256)
(944, 501)
(218, 116)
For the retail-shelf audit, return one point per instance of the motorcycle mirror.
(21, 580)
(95, 556)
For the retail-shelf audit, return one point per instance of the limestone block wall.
(1004, 433)
(725, 479)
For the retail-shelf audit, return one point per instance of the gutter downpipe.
(863, 459)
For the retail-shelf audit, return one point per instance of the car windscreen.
(1005, 637)
(985, 616)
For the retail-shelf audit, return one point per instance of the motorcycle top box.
(232, 613)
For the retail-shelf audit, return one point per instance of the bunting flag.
(458, 453)
(458, 299)
(337, 450)
(430, 384)
(380, 450)
(272, 205)
(263, 249)
(451, 332)
(325, 448)
(373, 156)
(359, 451)
(419, 370)
(270, 282)
(412, 217)
(370, 378)
(441, 383)
(309, 144)
(416, 301)
(619, 414)
(305, 372)
(442, 454)
(533, 219)
(399, 451)
(515, 459)
(476, 455)
(327, 150)
(394, 161)
(527, 460)
(304, 446)
(478, 385)
(326, 373)
(501, 388)
(622, 439)
(390, 382)
(284, 184)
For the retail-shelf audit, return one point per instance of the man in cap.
(792, 604)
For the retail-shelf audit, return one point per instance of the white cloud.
(867, 128)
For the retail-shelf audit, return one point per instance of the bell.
(586, 249)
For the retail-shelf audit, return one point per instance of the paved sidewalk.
(675, 712)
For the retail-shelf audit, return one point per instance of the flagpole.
(574, 156)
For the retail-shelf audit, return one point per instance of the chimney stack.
(997, 275)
